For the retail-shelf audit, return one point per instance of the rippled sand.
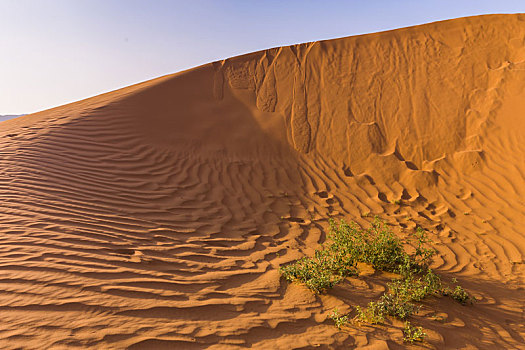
(156, 216)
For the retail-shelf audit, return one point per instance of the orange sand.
(156, 216)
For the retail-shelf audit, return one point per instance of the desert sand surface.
(157, 216)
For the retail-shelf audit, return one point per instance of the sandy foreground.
(157, 216)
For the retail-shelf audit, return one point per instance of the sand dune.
(156, 216)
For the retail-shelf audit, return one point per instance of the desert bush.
(413, 333)
(408, 289)
(422, 257)
(316, 273)
(339, 320)
(378, 246)
(433, 282)
(396, 302)
(350, 244)
(459, 294)
(412, 288)
(393, 305)
(372, 314)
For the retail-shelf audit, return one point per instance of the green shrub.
(339, 320)
(408, 289)
(396, 304)
(422, 257)
(459, 294)
(383, 250)
(372, 314)
(378, 246)
(348, 245)
(392, 305)
(433, 282)
(316, 273)
(413, 288)
(412, 333)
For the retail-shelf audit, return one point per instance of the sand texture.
(157, 216)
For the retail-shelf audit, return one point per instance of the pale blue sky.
(58, 51)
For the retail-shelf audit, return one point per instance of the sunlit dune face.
(157, 216)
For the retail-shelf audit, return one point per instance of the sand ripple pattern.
(157, 216)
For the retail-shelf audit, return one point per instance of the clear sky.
(57, 51)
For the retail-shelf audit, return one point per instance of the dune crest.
(156, 216)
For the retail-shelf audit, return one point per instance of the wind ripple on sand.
(157, 216)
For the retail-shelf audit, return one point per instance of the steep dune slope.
(156, 216)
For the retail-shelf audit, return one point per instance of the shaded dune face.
(156, 216)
